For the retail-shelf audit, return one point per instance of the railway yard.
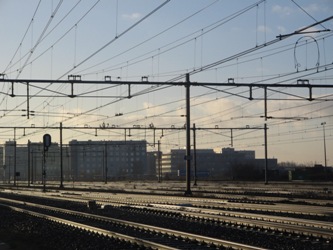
(134, 215)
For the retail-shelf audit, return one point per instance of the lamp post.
(323, 124)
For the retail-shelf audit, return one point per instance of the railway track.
(245, 228)
(222, 206)
(322, 213)
(137, 234)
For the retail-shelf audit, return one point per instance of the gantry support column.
(188, 191)
(61, 160)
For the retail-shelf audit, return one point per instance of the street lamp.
(323, 124)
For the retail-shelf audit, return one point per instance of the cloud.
(263, 28)
(132, 16)
(312, 8)
(324, 8)
(219, 111)
(281, 29)
(282, 11)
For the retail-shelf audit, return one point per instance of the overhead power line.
(40, 38)
(147, 40)
(175, 44)
(44, 37)
(279, 38)
(308, 14)
(114, 39)
(31, 22)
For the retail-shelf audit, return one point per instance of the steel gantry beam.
(30, 83)
(145, 81)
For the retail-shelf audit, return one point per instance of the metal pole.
(188, 191)
(61, 159)
(28, 101)
(9, 169)
(266, 161)
(14, 156)
(159, 174)
(29, 166)
(4, 174)
(44, 171)
(195, 155)
(323, 124)
(32, 166)
(154, 136)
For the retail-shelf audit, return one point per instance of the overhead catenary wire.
(25, 34)
(177, 43)
(107, 44)
(130, 120)
(323, 66)
(307, 13)
(40, 38)
(59, 39)
(114, 39)
(143, 42)
(101, 107)
(248, 51)
(12, 65)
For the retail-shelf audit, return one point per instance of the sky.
(163, 41)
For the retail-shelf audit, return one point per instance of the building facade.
(207, 164)
(102, 160)
(26, 162)
(118, 160)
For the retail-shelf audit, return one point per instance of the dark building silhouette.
(229, 164)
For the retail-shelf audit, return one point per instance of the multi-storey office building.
(27, 161)
(81, 160)
(100, 160)
(174, 164)
(51, 161)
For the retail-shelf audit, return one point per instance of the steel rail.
(170, 232)
(278, 223)
(280, 208)
(139, 199)
(100, 231)
(299, 226)
(294, 225)
(119, 199)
